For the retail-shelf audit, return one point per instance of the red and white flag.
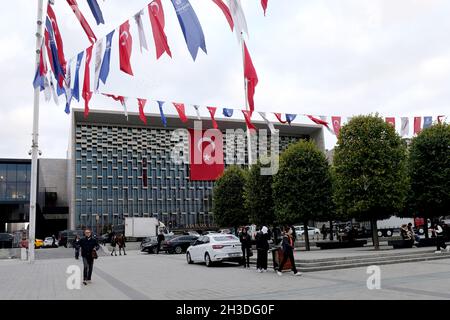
(226, 12)
(264, 5)
(248, 121)
(141, 103)
(212, 112)
(87, 93)
(58, 38)
(336, 124)
(391, 121)
(123, 102)
(181, 111)
(278, 116)
(156, 13)
(125, 47)
(417, 125)
(441, 119)
(318, 121)
(240, 23)
(251, 78)
(84, 24)
(206, 155)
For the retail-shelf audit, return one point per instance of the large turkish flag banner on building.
(206, 155)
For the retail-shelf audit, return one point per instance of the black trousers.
(246, 256)
(440, 243)
(77, 253)
(288, 255)
(261, 259)
(158, 247)
(88, 265)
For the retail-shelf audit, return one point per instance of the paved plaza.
(143, 276)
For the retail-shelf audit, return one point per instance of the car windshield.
(225, 238)
(49, 238)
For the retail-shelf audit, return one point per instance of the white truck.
(387, 227)
(143, 227)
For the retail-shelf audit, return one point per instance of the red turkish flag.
(125, 46)
(181, 112)
(226, 12)
(84, 24)
(391, 121)
(417, 124)
(206, 155)
(318, 121)
(212, 112)
(264, 5)
(251, 77)
(87, 93)
(441, 119)
(156, 14)
(58, 38)
(247, 116)
(336, 125)
(278, 116)
(141, 103)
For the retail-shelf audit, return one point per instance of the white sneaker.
(437, 251)
(265, 270)
(279, 273)
(297, 273)
(259, 270)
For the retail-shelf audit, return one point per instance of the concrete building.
(105, 166)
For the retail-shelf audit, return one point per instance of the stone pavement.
(143, 276)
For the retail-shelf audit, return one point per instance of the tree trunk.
(331, 230)
(375, 240)
(306, 235)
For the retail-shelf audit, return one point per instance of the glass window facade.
(15, 182)
(111, 164)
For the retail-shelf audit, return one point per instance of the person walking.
(121, 243)
(53, 241)
(288, 252)
(76, 246)
(113, 245)
(439, 234)
(89, 247)
(324, 231)
(160, 239)
(262, 247)
(246, 244)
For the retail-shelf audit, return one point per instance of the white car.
(213, 248)
(300, 230)
(48, 241)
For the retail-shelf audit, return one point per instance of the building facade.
(120, 168)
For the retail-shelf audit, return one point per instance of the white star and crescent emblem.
(206, 157)
(125, 35)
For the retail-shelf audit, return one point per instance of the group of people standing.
(118, 241)
(262, 238)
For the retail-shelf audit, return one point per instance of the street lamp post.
(35, 138)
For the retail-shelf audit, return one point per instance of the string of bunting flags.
(333, 127)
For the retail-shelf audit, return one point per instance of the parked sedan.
(299, 230)
(214, 248)
(150, 244)
(179, 244)
(48, 242)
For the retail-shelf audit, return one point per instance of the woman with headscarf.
(262, 246)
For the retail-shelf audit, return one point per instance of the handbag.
(94, 254)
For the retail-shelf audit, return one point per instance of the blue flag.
(163, 117)
(227, 112)
(54, 51)
(76, 83)
(104, 69)
(192, 30)
(96, 11)
(38, 80)
(427, 122)
(290, 117)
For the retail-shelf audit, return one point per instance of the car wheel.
(380, 234)
(208, 261)
(188, 258)
(178, 250)
(389, 233)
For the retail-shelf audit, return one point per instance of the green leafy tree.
(302, 188)
(370, 171)
(258, 196)
(429, 170)
(228, 198)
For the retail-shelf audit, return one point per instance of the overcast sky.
(321, 57)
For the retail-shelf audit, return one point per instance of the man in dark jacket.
(88, 244)
(246, 244)
(262, 246)
(160, 239)
(288, 252)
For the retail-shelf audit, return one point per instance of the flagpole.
(35, 138)
(249, 138)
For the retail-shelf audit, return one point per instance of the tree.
(228, 198)
(302, 187)
(370, 171)
(258, 196)
(429, 170)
